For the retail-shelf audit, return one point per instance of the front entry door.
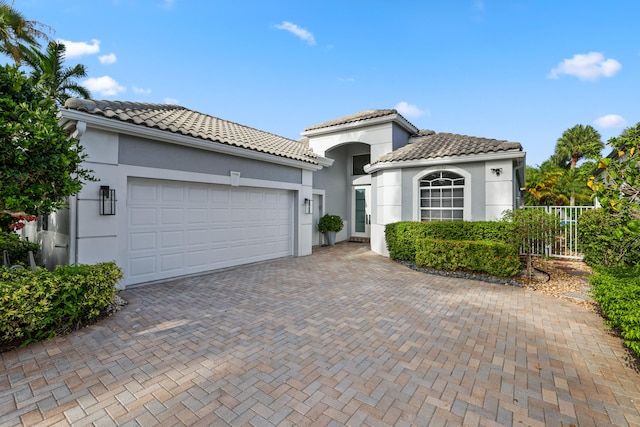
(361, 218)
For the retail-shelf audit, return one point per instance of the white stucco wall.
(498, 188)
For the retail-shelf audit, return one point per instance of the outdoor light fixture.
(308, 206)
(107, 200)
(497, 171)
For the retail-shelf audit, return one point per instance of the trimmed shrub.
(494, 258)
(17, 248)
(601, 245)
(617, 290)
(41, 304)
(402, 236)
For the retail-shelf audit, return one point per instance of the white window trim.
(466, 211)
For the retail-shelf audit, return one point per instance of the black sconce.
(308, 206)
(107, 200)
(497, 171)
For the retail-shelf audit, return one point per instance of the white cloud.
(589, 66)
(140, 90)
(610, 121)
(299, 32)
(409, 110)
(173, 101)
(74, 49)
(104, 85)
(108, 59)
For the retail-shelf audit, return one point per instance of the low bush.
(41, 304)
(402, 236)
(494, 258)
(600, 243)
(17, 248)
(617, 290)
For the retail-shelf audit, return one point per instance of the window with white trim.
(442, 197)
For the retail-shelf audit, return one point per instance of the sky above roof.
(521, 70)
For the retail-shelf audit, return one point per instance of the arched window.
(442, 197)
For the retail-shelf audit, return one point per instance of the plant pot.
(330, 237)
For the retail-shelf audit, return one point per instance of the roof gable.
(180, 120)
(354, 119)
(430, 145)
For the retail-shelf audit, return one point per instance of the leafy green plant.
(17, 248)
(617, 290)
(532, 228)
(330, 223)
(41, 304)
(41, 166)
(602, 245)
(494, 258)
(401, 237)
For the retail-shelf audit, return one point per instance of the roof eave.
(397, 118)
(449, 160)
(108, 124)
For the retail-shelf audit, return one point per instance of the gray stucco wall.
(334, 181)
(400, 137)
(143, 152)
(478, 197)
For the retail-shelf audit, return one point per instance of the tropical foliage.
(50, 75)
(41, 165)
(559, 181)
(17, 34)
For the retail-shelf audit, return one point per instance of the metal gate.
(565, 244)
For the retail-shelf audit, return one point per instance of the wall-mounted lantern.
(308, 206)
(497, 171)
(107, 200)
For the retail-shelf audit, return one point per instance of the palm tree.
(17, 34)
(51, 77)
(575, 144)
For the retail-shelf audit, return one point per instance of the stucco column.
(387, 206)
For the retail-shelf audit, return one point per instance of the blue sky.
(518, 70)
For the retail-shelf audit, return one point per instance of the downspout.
(81, 127)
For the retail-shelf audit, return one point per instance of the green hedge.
(601, 246)
(617, 290)
(17, 248)
(494, 258)
(42, 304)
(402, 236)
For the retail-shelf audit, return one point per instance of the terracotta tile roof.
(430, 145)
(180, 120)
(363, 115)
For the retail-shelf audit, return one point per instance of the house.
(386, 170)
(179, 192)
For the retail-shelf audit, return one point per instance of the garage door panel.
(197, 215)
(140, 192)
(172, 239)
(142, 266)
(172, 262)
(172, 193)
(171, 216)
(180, 228)
(142, 216)
(142, 241)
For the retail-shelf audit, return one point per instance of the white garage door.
(178, 228)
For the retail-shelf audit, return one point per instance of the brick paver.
(342, 337)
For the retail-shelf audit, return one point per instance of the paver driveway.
(344, 336)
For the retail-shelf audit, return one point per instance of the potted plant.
(329, 225)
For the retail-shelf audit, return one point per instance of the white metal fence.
(565, 244)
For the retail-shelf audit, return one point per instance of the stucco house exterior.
(180, 192)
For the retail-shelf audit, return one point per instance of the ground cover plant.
(617, 291)
(481, 246)
(36, 305)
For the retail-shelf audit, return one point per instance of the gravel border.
(463, 275)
